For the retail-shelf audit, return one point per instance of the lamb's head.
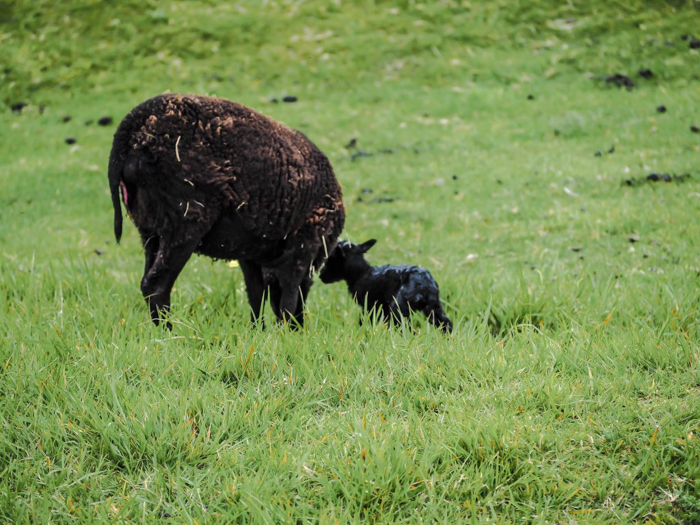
(346, 259)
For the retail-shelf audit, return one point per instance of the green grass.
(569, 391)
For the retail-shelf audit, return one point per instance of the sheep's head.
(345, 258)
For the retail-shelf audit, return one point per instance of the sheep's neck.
(355, 272)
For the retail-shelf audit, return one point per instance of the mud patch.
(356, 153)
(611, 150)
(619, 80)
(382, 199)
(657, 177)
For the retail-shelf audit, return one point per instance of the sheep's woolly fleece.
(211, 154)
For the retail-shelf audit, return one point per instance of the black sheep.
(205, 175)
(394, 291)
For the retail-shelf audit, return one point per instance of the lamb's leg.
(255, 288)
(437, 318)
(158, 280)
(399, 310)
(375, 314)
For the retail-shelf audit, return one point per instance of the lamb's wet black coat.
(394, 291)
(205, 175)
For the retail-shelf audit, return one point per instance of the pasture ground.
(569, 391)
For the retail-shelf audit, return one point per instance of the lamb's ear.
(365, 246)
(340, 247)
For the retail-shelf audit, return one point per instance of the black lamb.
(205, 175)
(393, 291)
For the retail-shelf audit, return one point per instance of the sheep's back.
(232, 159)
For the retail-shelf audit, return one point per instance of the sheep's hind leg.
(158, 280)
(255, 288)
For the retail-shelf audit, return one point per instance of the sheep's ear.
(340, 247)
(365, 246)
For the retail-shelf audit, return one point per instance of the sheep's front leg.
(276, 297)
(289, 301)
(158, 280)
(294, 287)
(255, 288)
(304, 288)
(275, 291)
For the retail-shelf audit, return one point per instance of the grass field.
(490, 149)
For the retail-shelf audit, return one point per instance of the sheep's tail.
(114, 175)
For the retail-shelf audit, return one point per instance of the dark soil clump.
(657, 177)
(380, 200)
(620, 80)
(599, 153)
(360, 154)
